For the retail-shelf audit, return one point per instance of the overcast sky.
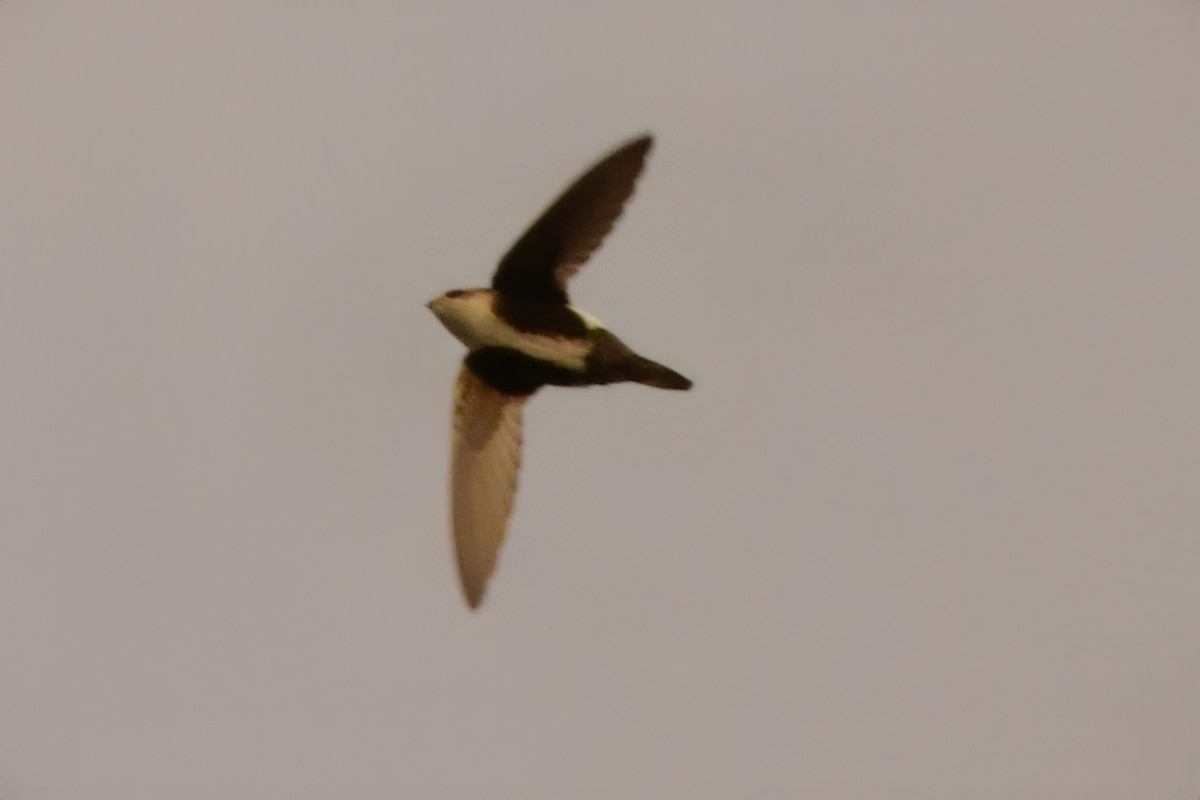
(927, 527)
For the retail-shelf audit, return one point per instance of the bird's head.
(462, 310)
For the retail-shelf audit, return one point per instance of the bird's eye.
(455, 293)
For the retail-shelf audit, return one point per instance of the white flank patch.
(591, 322)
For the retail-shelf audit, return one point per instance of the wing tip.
(474, 599)
(474, 587)
(643, 141)
(640, 143)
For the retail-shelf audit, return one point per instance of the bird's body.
(550, 343)
(523, 334)
(550, 332)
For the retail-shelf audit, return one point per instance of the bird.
(521, 334)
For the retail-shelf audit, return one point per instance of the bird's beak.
(429, 305)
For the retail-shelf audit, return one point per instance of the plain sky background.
(928, 526)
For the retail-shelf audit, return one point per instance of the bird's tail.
(612, 361)
(651, 373)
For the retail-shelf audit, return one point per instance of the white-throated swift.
(523, 334)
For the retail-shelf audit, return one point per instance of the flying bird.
(523, 334)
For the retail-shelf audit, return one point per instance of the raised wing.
(485, 459)
(554, 247)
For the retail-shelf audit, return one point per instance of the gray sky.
(926, 528)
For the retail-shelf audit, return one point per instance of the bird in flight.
(523, 334)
